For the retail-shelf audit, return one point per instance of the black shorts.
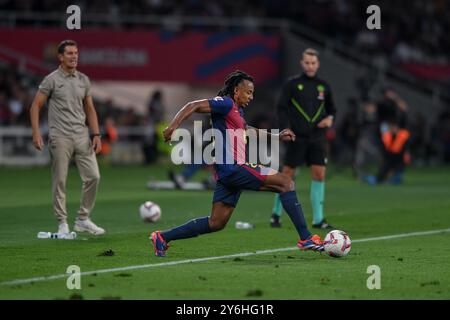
(311, 151)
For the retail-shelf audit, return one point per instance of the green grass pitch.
(412, 267)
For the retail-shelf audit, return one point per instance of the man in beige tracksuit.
(69, 105)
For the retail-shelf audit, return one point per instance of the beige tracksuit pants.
(62, 149)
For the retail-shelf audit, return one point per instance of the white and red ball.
(337, 243)
(150, 211)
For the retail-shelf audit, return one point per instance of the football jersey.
(228, 118)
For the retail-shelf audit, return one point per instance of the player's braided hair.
(232, 81)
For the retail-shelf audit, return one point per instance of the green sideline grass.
(411, 267)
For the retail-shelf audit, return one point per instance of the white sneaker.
(63, 228)
(89, 226)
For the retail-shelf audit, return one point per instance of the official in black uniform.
(306, 107)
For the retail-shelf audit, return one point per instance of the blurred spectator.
(153, 143)
(17, 90)
(347, 133)
(156, 109)
(16, 105)
(391, 106)
(395, 140)
(383, 130)
(415, 32)
(364, 84)
(5, 113)
(109, 136)
(367, 145)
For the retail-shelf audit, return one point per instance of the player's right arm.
(218, 105)
(38, 102)
(200, 106)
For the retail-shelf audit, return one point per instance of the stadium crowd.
(413, 33)
(18, 88)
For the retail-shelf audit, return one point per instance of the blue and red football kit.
(233, 173)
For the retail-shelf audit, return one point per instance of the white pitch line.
(403, 235)
(237, 255)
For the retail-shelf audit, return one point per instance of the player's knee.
(287, 184)
(291, 185)
(319, 176)
(216, 224)
(289, 172)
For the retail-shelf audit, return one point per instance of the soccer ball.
(337, 243)
(150, 211)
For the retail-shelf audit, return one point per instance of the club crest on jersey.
(321, 90)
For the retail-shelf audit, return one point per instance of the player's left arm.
(330, 109)
(92, 119)
(284, 135)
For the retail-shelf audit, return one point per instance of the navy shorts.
(246, 177)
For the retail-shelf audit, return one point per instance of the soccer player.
(306, 106)
(227, 115)
(68, 93)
